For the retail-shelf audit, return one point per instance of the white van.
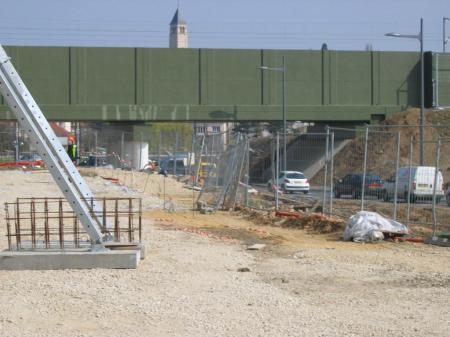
(422, 184)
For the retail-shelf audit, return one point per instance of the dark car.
(29, 157)
(351, 184)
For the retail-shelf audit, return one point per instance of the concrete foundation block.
(51, 260)
(127, 246)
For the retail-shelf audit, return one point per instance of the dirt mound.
(312, 222)
(382, 147)
(316, 222)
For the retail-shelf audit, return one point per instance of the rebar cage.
(50, 223)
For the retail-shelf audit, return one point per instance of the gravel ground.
(189, 285)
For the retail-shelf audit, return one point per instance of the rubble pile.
(314, 222)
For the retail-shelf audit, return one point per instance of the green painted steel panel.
(231, 77)
(303, 77)
(399, 78)
(105, 76)
(352, 77)
(216, 84)
(45, 71)
(169, 76)
(441, 77)
(186, 112)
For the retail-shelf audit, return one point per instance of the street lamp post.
(282, 70)
(422, 92)
(444, 33)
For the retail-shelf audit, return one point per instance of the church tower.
(178, 32)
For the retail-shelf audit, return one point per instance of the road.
(316, 192)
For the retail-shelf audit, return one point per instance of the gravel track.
(189, 285)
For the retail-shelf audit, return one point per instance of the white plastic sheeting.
(369, 226)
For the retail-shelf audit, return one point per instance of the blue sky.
(270, 24)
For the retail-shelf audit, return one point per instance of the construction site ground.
(199, 279)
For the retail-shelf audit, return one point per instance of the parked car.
(422, 184)
(351, 184)
(29, 157)
(93, 160)
(291, 181)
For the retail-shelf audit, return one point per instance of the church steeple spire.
(178, 31)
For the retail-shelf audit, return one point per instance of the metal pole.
(78, 140)
(95, 146)
(326, 170)
(16, 145)
(436, 85)
(444, 34)
(408, 210)
(159, 149)
(366, 140)
(422, 99)
(331, 174)
(141, 141)
(199, 165)
(122, 149)
(397, 161)
(164, 192)
(175, 154)
(277, 172)
(272, 168)
(247, 174)
(436, 171)
(191, 157)
(284, 117)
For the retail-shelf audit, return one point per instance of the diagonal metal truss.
(64, 172)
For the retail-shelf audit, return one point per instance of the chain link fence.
(225, 180)
(353, 169)
(337, 172)
(15, 147)
(360, 161)
(396, 184)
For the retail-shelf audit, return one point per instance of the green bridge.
(153, 84)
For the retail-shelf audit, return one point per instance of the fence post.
(190, 158)
(141, 142)
(199, 160)
(175, 149)
(272, 166)
(277, 172)
(16, 147)
(436, 171)
(408, 209)
(366, 140)
(397, 161)
(164, 191)
(78, 142)
(326, 170)
(331, 174)
(247, 171)
(96, 148)
(122, 149)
